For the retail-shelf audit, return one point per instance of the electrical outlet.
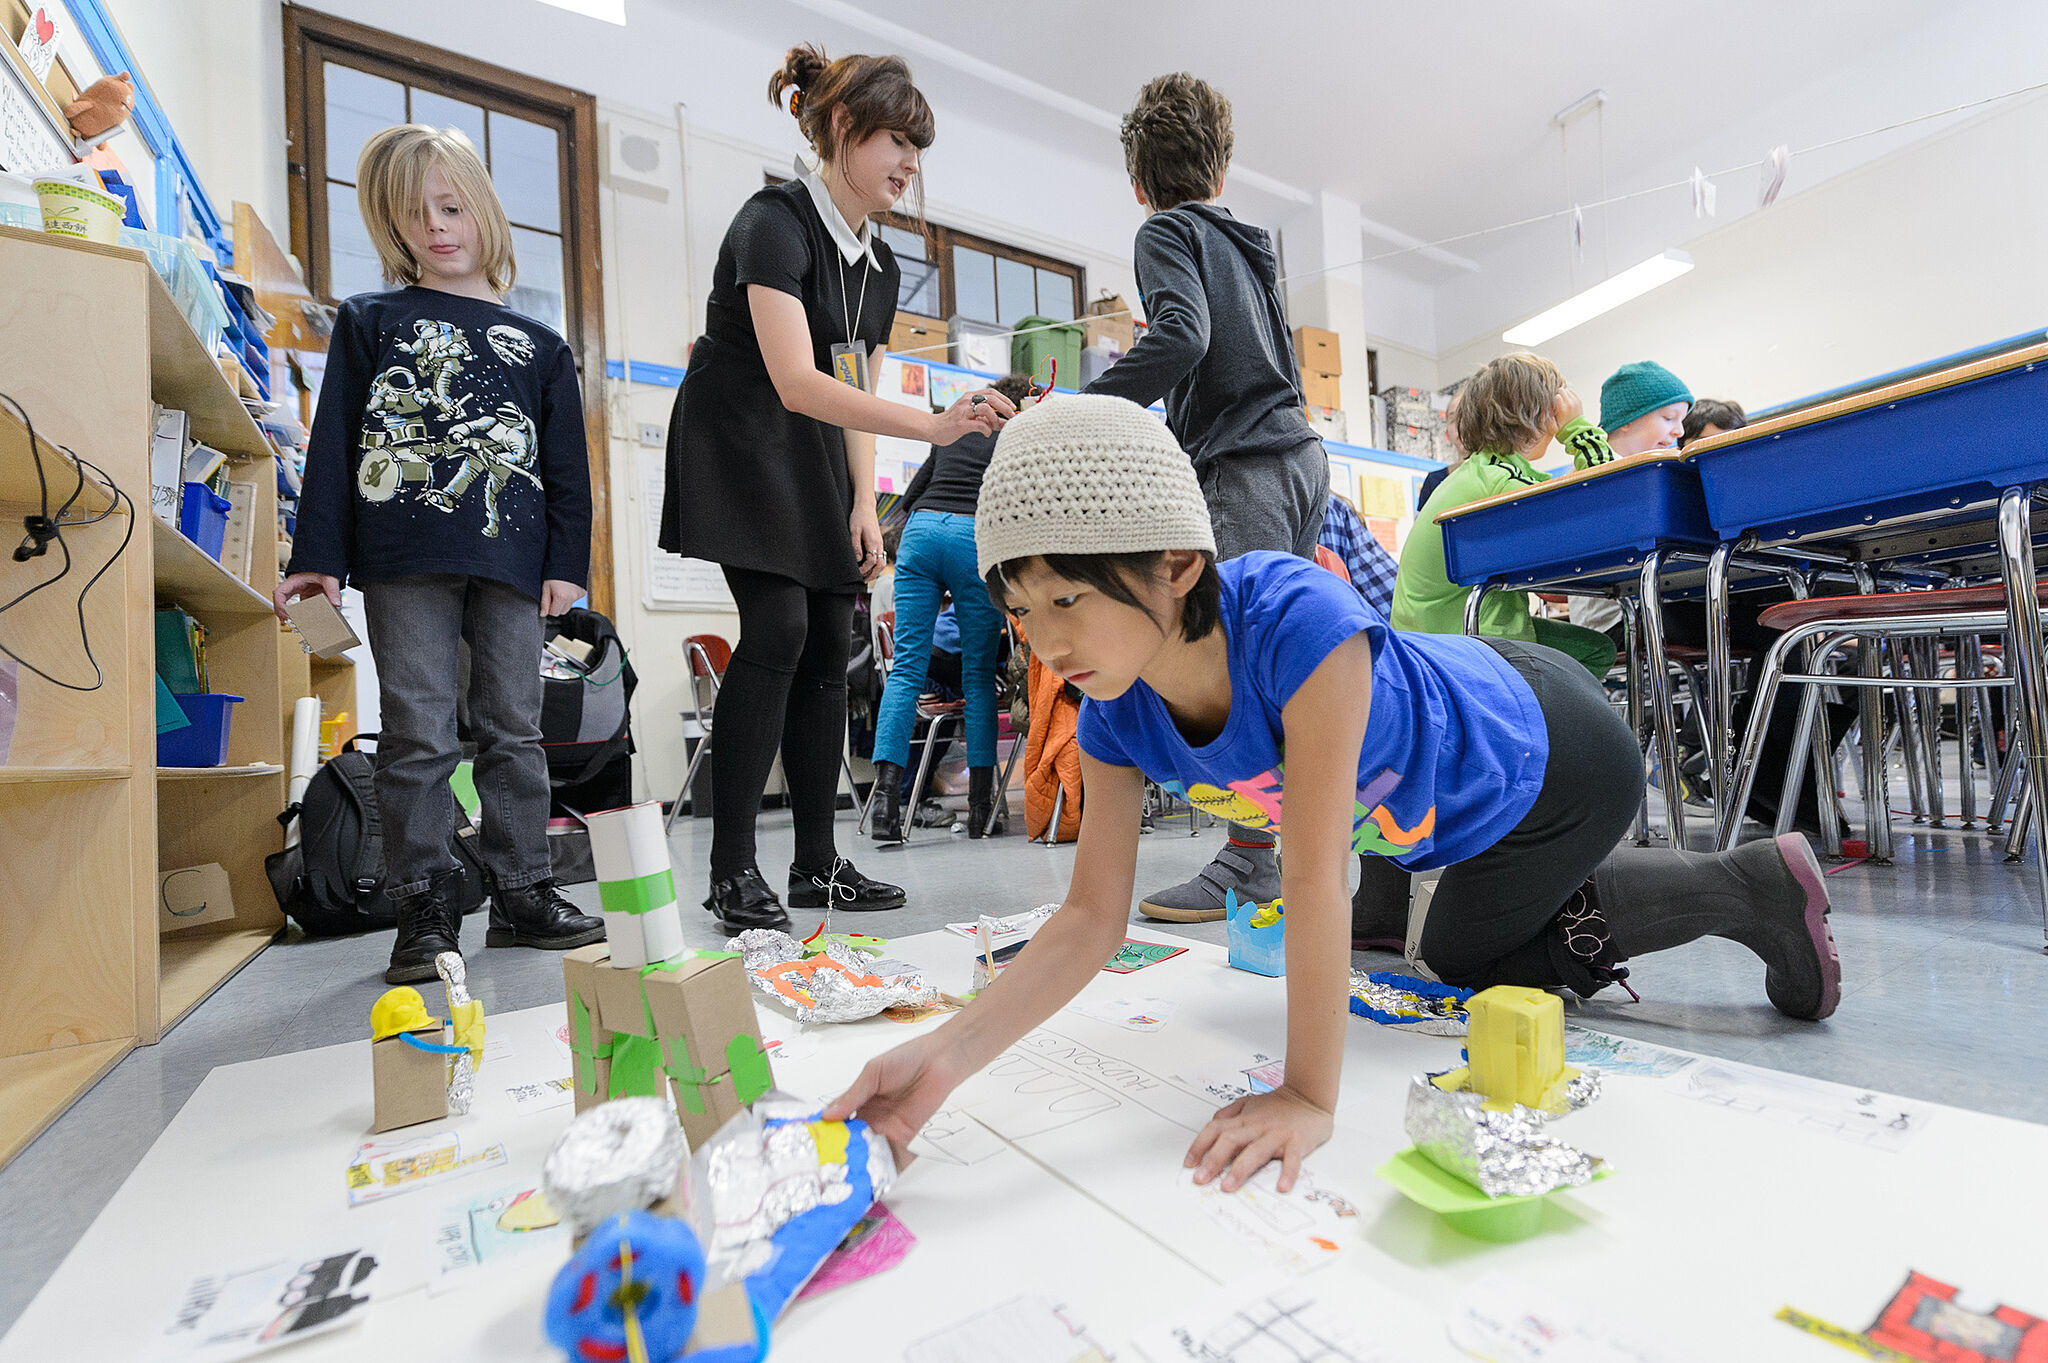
(652, 435)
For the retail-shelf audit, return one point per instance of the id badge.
(850, 365)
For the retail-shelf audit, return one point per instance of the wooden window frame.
(311, 39)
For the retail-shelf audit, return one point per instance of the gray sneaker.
(1254, 872)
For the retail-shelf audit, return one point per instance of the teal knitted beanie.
(1636, 390)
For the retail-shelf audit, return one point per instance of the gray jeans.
(416, 625)
(1267, 501)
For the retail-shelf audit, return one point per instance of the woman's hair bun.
(802, 65)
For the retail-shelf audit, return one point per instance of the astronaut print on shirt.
(432, 430)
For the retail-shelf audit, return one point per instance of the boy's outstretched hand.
(898, 1091)
(1252, 1132)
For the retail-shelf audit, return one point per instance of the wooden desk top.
(1575, 477)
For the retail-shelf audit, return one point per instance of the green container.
(1059, 341)
(1463, 1207)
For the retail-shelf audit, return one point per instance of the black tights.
(786, 686)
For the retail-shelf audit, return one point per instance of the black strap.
(371, 852)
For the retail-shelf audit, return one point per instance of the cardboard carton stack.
(1321, 365)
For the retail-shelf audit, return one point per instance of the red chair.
(708, 655)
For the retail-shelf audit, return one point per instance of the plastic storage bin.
(1040, 338)
(196, 295)
(203, 518)
(1577, 528)
(981, 346)
(203, 742)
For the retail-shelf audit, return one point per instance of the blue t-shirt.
(1455, 746)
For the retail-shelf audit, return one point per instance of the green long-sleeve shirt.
(1425, 598)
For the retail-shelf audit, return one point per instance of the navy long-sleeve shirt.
(449, 439)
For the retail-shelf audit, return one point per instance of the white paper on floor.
(1298, 1230)
(1503, 1320)
(393, 1164)
(1003, 931)
(1275, 1318)
(1021, 1330)
(953, 1137)
(1137, 1015)
(475, 1232)
(542, 1096)
(1880, 1120)
(278, 1300)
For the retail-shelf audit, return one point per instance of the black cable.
(44, 529)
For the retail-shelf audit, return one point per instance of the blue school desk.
(1936, 471)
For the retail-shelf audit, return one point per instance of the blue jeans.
(936, 556)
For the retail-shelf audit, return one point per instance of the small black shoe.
(887, 822)
(842, 887)
(429, 923)
(537, 915)
(744, 901)
(981, 802)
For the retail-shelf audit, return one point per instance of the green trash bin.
(1061, 341)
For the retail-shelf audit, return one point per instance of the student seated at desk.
(1495, 759)
(1643, 407)
(1507, 413)
(1711, 416)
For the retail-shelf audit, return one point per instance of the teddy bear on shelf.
(101, 107)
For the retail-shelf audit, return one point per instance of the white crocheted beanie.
(1087, 474)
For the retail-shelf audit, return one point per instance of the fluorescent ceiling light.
(1605, 296)
(611, 11)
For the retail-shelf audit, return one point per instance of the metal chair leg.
(932, 746)
(1059, 800)
(1632, 634)
(1930, 731)
(1650, 599)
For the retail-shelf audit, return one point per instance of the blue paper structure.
(1263, 951)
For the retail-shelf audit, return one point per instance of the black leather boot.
(744, 901)
(841, 887)
(429, 923)
(537, 915)
(981, 801)
(886, 823)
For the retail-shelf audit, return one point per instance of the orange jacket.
(1052, 757)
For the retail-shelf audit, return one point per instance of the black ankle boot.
(744, 901)
(981, 801)
(537, 915)
(429, 923)
(841, 887)
(886, 824)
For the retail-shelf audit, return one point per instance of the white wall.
(1930, 250)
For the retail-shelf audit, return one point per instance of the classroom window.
(344, 81)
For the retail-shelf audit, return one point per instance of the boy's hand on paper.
(556, 596)
(304, 584)
(1254, 1131)
(897, 1092)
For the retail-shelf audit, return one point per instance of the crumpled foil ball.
(620, 1156)
(1503, 1154)
(837, 985)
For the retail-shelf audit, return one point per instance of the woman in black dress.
(771, 465)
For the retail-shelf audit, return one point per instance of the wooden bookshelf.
(89, 339)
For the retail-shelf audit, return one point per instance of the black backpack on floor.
(332, 882)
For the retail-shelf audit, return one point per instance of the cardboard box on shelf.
(1109, 318)
(1328, 422)
(1320, 390)
(1316, 351)
(703, 1031)
(925, 336)
(192, 896)
(411, 1085)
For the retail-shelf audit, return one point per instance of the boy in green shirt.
(1508, 412)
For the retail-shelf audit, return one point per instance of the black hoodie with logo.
(1216, 345)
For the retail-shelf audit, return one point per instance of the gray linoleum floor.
(1945, 996)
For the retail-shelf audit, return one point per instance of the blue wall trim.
(1394, 457)
(660, 375)
(100, 35)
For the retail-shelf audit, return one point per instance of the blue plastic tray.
(203, 518)
(1580, 528)
(1942, 449)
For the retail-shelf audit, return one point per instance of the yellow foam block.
(1514, 1048)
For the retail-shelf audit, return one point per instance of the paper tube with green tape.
(636, 885)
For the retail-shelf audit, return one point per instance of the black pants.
(786, 686)
(1489, 922)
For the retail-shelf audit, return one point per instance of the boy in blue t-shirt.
(1265, 683)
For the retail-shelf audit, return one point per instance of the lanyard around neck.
(859, 311)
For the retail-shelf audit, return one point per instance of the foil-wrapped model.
(1408, 1003)
(836, 985)
(783, 1188)
(620, 1156)
(1503, 1154)
(468, 1020)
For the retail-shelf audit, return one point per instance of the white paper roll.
(305, 755)
(630, 854)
